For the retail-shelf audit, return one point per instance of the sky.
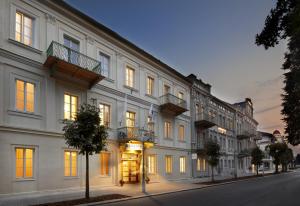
(213, 39)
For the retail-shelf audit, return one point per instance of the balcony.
(244, 135)
(172, 105)
(126, 134)
(66, 63)
(204, 120)
(244, 153)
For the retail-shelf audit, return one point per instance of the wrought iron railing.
(245, 135)
(71, 56)
(169, 98)
(135, 133)
(206, 116)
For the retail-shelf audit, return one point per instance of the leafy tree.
(257, 156)
(286, 158)
(86, 134)
(212, 153)
(283, 22)
(276, 150)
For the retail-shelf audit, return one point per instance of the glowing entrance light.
(134, 146)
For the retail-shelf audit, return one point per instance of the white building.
(266, 140)
(54, 58)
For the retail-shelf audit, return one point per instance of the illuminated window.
(150, 85)
(201, 164)
(181, 132)
(198, 164)
(104, 115)
(24, 28)
(167, 129)
(166, 89)
(24, 96)
(151, 164)
(182, 165)
(129, 81)
(130, 123)
(24, 162)
(104, 163)
(70, 106)
(180, 95)
(169, 164)
(150, 124)
(204, 164)
(70, 163)
(105, 67)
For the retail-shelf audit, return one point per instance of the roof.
(115, 35)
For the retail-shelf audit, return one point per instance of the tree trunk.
(276, 168)
(212, 174)
(257, 170)
(87, 179)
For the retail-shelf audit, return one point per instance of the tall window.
(182, 165)
(130, 123)
(70, 106)
(70, 163)
(104, 115)
(24, 162)
(152, 164)
(72, 56)
(198, 164)
(105, 67)
(24, 29)
(24, 96)
(180, 95)
(201, 164)
(104, 163)
(181, 132)
(150, 85)
(166, 89)
(167, 129)
(150, 124)
(169, 164)
(129, 81)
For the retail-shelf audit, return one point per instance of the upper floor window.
(166, 89)
(105, 64)
(180, 95)
(181, 132)
(150, 124)
(24, 29)
(71, 56)
(70, 163)
(24, 96)
(167, 129)
(70, 106)
(104, 115)
(130, 119)
(24, 162)
(150, 86)
(129, 81)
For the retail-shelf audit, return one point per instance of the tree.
(276, 150)
(286, 158)
(86, 134)
(212, 153)
(283, 22)
(257, 156)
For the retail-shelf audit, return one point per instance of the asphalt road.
(281, 190)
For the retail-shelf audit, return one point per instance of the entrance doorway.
(130, 168)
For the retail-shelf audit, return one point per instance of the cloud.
(267, 109)
(275, 126)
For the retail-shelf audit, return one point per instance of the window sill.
(25, 46)
(151, 96)
(168, 138)
(104, 176)
(71, 177)
(182, 141)
(131, 88)
(24, 114)
(109, 80)
(25, 180)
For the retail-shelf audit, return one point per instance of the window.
(70, 163)
(129, 81)
(169, 164)
(182, 164)
(24, 29)
(71, 56)
(130, 123)
(70, 106)
(150, 124)
(180, 95)
(167, 129)
(24, 162)
(104, 163)
(201, 164)
(204, 165)
(150, 86)
(152, 164)
(166, 89)
(105, 64)
(25, 96)
(198, 164)
(104, 115)
(181, 132)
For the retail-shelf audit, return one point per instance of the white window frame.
(182, 164)
(103, 55)
(132, 79)
(109, 114)
(181, 138)
(150, 91)
(152, 166)
(77, 164)
(15, 147)
(25, 95)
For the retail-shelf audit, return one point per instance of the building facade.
(266, 140)
(54, 58)
(231, 125)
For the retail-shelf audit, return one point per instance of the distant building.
(265, 140)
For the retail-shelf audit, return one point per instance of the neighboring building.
(265, 140)
(54, 58)
(232, 126)
(278, 137)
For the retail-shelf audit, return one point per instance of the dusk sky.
(213, 39)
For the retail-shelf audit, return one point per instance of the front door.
(130, 171)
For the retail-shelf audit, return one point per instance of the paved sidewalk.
(133, 190)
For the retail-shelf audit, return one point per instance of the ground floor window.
(169, 163)
(71, 163)
(104, 163)
(152, 164)
(201, 164)
(24, 162)
(182, 165)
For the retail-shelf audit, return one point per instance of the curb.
(171, 192)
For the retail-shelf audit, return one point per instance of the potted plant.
(121, 182)
(147, 180)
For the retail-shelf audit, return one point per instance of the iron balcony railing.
(245, 135)
(74, 57)
(204, 116)
(135, 133)
(169, 98)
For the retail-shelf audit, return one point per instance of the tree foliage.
(256, 157)
(86, 134)
(212, 153)
(281, 154)
(283, 22)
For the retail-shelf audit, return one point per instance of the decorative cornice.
(51, 19)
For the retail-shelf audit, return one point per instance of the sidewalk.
(132, 190)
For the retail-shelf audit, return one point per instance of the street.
(282, 189)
